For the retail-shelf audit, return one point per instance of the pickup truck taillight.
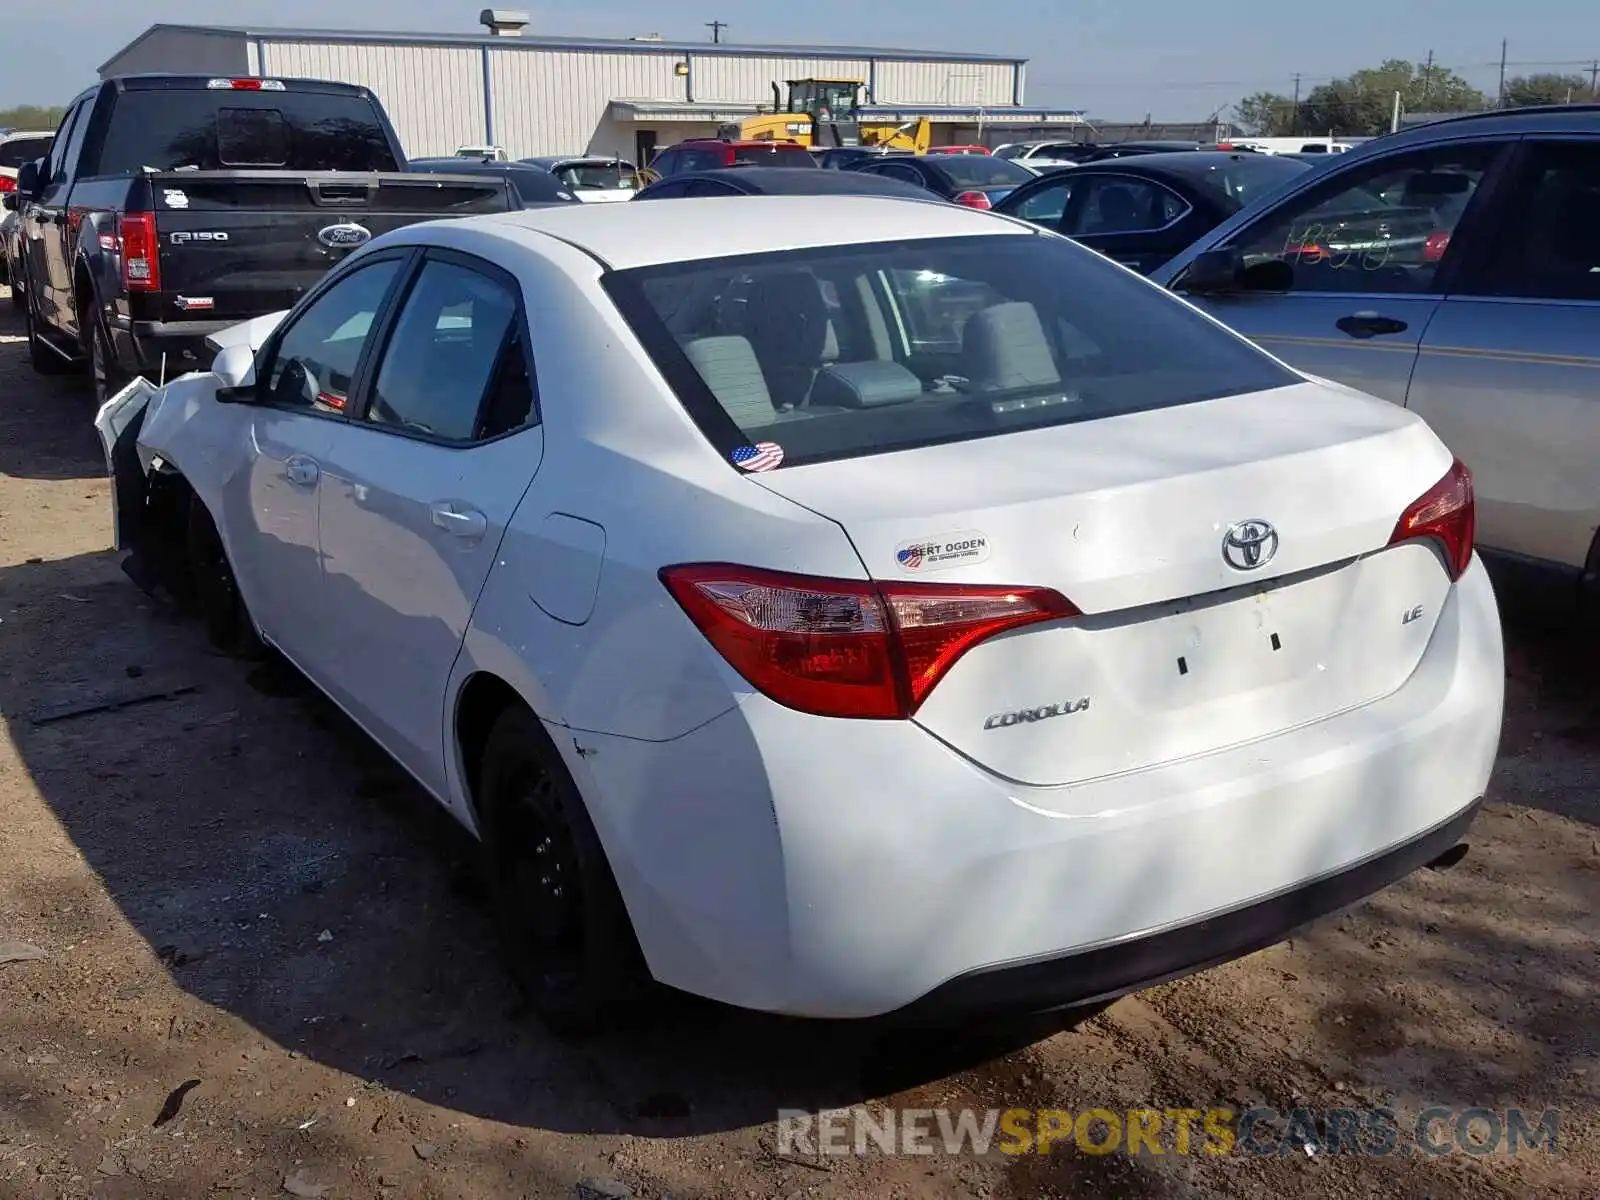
(7, 184)
(141, 266)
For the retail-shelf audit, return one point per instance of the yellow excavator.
(823, 113)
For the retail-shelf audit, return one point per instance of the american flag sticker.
(961, 549)
(763, 456)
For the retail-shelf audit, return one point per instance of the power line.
(716, 28)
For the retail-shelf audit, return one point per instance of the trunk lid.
(1177, 653)
(234, 244)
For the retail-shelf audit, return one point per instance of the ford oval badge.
(345, 236)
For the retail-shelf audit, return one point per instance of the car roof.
(770, 144)
(529, 180)
(13, 135)
(571, 160)
(693, 228)
(1186, 163)
(805, 181)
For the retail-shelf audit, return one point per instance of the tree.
(1525, 90)
(1265, 114)
(31, 116)
(1362, 103)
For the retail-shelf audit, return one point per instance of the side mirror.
(1223, 272)
(28, 176)
(235, 369)
(1212, 273)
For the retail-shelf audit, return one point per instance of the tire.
(106, 377)
(568, 941)
(216, 592)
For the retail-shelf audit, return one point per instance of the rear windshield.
(852, 350)
(228, 130)
(591, 177)
(778, 156)
(983, 170)
(23, 150)
(1246, 178)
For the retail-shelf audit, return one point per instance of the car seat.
(1004, 347)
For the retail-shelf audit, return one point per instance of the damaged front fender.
(119, 423)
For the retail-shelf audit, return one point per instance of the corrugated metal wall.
(740, 79)
(555, 101)
(943, 83)
(201, 51)
(550, 101)
(433, 94)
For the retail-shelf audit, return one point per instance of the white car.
(17, 146)
(835, 605)
(593, 179)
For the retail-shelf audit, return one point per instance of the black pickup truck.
(173, 206)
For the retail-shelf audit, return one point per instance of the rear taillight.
(843, 647)
(973, 200)
(1434, 247)
(141, 266)
(7, 184)
(1447, 513)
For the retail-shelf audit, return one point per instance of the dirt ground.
(235, 893)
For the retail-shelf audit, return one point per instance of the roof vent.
(503, 22)
(646, 37)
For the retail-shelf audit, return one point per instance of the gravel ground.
(237, 895)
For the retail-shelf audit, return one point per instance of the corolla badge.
(344, 236)
(1249, 544)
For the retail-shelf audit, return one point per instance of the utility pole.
(1427, 80)
(1594, 79)
(1501, 102)
(716, 28)
(1294, 113)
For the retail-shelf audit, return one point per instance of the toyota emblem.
(344, 236)
(1249, 545)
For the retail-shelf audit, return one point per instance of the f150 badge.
(199, 235)
(344, 235)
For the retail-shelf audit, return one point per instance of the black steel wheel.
(216, 590)
(568, 941)
(105, 375)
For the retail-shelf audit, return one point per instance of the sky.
(1174, 60)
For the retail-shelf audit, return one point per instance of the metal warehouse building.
(560, 95)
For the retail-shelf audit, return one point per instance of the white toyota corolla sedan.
(839, 606)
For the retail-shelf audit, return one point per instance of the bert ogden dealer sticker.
(941, 553)
(763, 456)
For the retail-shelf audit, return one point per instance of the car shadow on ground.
(283, 870)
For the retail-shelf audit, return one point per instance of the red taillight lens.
(973, 200)
(141, 267)
(1447, 513)
(7, 184)
(843, 647)
(1434, 247)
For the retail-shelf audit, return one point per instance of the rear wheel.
(566, 933)
(216, 591)
(106, 376)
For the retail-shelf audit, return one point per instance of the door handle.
(302, 471)
(465, 523)
(1369, 324)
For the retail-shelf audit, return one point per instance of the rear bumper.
(141, 346)
(854, 868)
(1106, 972)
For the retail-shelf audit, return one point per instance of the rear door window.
(1110, 204)
(843, 351)
(1548, 234)
(23, 150)
(211, 130)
